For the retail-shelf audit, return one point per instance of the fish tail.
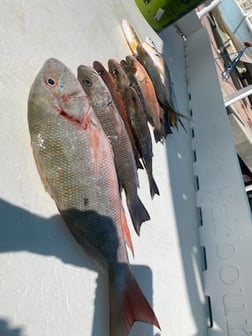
(127, 305)
(153, 186)
(172, 119)
(181, 123)
(138, 213)
(168, 129)
(173, 116)
(166, 126)
(159, 134)
(183, 116)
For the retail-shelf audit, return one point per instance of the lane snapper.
(142, 133)
(158, 71)
(161, 92)
(113, 126)
(153, 111)
(119, 103)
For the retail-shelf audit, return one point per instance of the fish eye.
(101, 72)
(51, 82)
(86, 82)
(115, 72)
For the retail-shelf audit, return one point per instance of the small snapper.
(133, 82)
(142, 133)
(160, 70)
(114, 128)
(123, 77)
(160, 65)
(153, 111)
(161, 92)
(75, 161)
(119, 103)
(163, 70)
(133, 41)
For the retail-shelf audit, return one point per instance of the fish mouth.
(73, 95)
(63, 106)
(73, 119)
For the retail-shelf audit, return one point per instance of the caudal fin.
(128, 305)
(138, 213)
(159, 134)
(153, 186)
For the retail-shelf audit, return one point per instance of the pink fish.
(109, 117)
(75, 161)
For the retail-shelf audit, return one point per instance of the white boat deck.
(197, 246)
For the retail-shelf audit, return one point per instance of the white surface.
(226, 229)
(48, 287)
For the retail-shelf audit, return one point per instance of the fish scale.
(119, 103)
(63, 152)
(113, 126)
(75, 162)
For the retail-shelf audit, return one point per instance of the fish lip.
(73, 95)
(65, 114)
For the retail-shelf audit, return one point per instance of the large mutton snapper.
(76, 165)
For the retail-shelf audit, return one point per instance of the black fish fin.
(138, 213)
(159, 134)
(153, 186)
(181, 123)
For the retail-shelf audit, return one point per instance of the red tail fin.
(127, 306)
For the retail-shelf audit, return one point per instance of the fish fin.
(172, 115)
(183, 116)
(166, 126)
(128, 305)
(159, 134)
(153, 186)
(138, 163)
(95, 144)
(164, 122)
(138, 213)
(126, 232)
(172, 119)
(181, 123)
